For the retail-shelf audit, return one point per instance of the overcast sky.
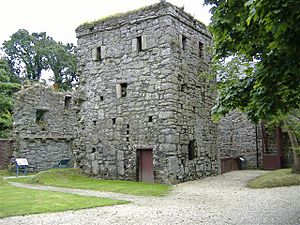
(59, 18)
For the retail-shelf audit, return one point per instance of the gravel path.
(215, 200)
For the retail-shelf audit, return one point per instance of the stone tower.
(144, 109)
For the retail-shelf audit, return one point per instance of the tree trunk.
(295, 146)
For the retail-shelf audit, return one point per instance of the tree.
(264, 34)
(25, 54)
(31, 54)
(8, 85)
(62, 61)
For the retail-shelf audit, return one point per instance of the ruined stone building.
(141, 112)
(142, 108)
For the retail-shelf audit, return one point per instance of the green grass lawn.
(277, 178)
(71, 178)
(21, 201)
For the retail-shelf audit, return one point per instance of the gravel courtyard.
(215, 200)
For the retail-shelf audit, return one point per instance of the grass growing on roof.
(277, 178)
(71, 178)
(20, 201)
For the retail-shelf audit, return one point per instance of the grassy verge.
(71, 178)
(21, 201)
(277, 178)
(6, 172)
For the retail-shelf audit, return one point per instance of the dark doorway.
(146, 165)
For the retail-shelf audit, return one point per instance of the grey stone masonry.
(44, 126)
(140, 88)
(237, 137)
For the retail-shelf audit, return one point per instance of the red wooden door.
(146, 165)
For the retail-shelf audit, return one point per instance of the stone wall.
(237, 137)
(44, 126)
(140, 89)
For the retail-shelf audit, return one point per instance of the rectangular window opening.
(127, 132)
(150, 119)
(113, 121)
(127, 126)
(139, 43)
(68, 102)
(123, 89)
(200, 49)
(40, 118)
(94, 122)
(101, 98)
(192, 150)
(184, 41)
(127, 139)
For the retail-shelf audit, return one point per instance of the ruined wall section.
(197, 151)
(237, 137)
(44, 126)
(135, 50)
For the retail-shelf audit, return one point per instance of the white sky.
(59, 18)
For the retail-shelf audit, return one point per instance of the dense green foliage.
(31, 54)
(277, 178)
(21, 201)
(264, 33)
(8, 85)
(73, 179)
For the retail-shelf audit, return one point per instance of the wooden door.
(146, 165)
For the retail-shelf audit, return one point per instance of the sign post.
(21, 163)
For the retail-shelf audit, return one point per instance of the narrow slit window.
(127, 139)
(68, 102)
(192, 150)
(183, 87)
(184, 41)
(200, 50)
(98, 53)
(139, 43)
(95, 122)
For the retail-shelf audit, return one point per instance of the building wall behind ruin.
(44, 126)
(237, 137)
(166, 107)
